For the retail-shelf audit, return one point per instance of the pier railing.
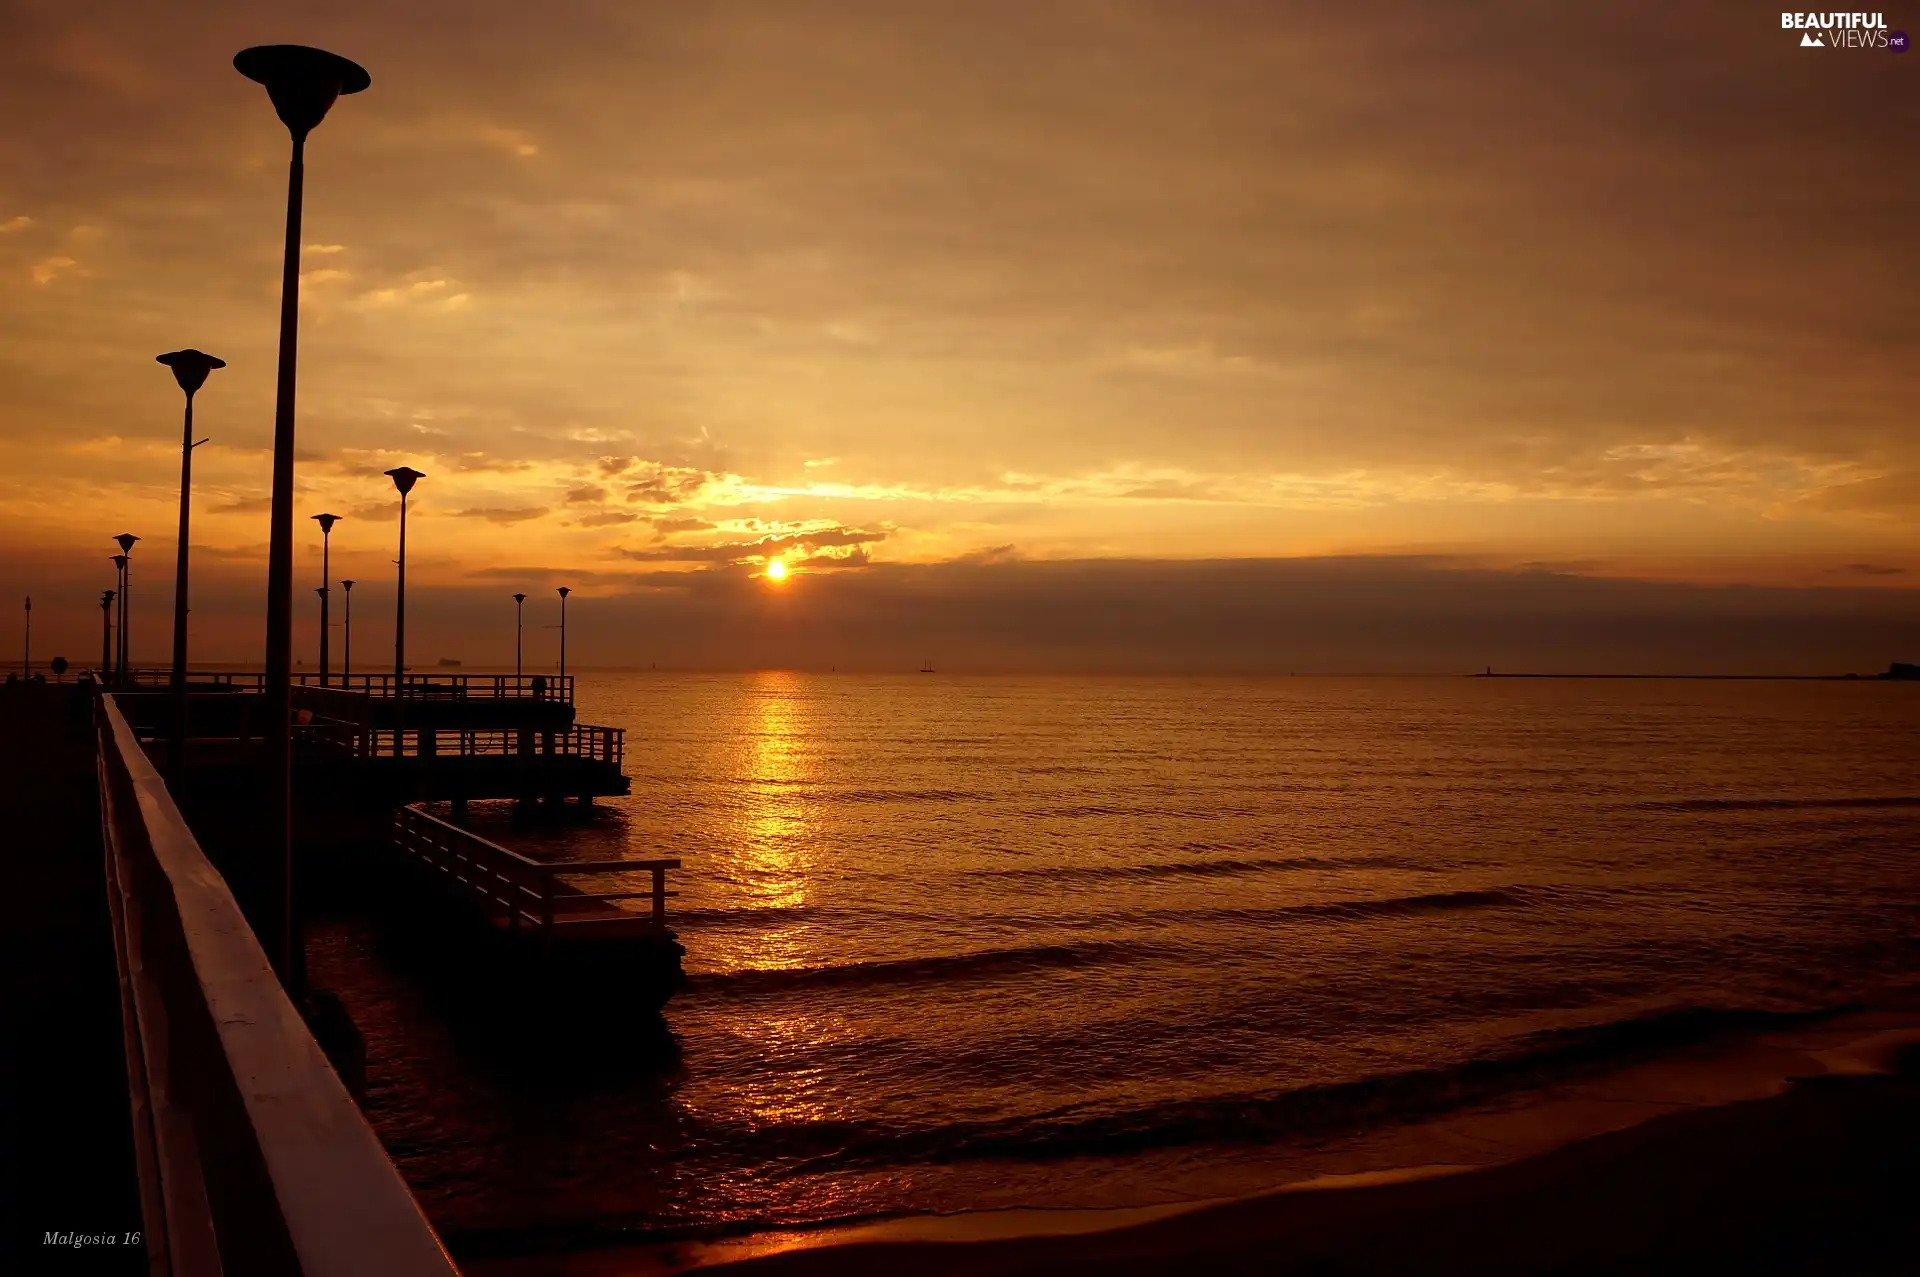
(550, 687)
(252, 1156)
(519, 890)
(583, 740)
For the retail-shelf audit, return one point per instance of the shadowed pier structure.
(166, 1107)
(385, 742)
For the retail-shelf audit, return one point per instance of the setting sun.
(776, 569)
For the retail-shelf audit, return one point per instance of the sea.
(967, 943)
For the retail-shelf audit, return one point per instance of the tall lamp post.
(190, 368)
(326, 522)
(26, 653)
(519, 608)
(119, 592)
(563, 591)
(346, 633)
(106, 636)
(404, 477)
(126, 542)
(303, 84)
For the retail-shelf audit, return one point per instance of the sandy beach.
(1819, 1177)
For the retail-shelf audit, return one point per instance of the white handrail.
(249, 1144)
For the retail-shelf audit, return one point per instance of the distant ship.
(927, 668)
(447, 662)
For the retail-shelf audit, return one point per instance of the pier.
(208, 1109)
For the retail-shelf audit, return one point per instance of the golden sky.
(1626, 289)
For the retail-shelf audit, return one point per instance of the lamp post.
(346, 633)
(190, 368)
(126, 542)
(26, 654)
(563, 591)
(519, 602)
(404, 477)
(106, 636)
(303, 84)
(326, 522)
(114, 672)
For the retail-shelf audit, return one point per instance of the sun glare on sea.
(776, 570)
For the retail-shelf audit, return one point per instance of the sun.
(776, 569)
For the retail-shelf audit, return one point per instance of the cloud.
(765, 547)
(852, 559)
(243, 505)
(606, 518)
(500, 514)
(13, 224)
(669, 526)
(591, 493)
(516, 142)
(1871, 569)
(48, 269)
(657, 484)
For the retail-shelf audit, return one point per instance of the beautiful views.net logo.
(1844, 31)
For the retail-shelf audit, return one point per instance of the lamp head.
(326, 522)
(404, 477)
(563, 590)
(303, 82)
(347, 586)
(126, 540)
(119, 561)
(519, 598)
(106, 598)
(190, 367)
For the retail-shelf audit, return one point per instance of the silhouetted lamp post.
(519, 601)
(126, 542)
(326, 522)
(404, 477)
(303, 84)
(26, 652)
(346, 633)
(106, 635)
(190, 368)
(119, 580)
(563, 591)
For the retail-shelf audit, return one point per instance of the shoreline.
(1784, 1116)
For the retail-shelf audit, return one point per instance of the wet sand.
(1820, 1177)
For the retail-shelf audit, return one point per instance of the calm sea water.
(978, 942)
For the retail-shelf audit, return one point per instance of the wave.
(946, 968)
(1431, 902)
(1772, 804)
(904, 796)
(1532, 1061)
(1197, 868)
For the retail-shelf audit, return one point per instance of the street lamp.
(519, 601)
(125, 560)
(26, 654)
(106, 635)
(326, 522)
(404, 477)
(303, 84)
(563, 591)
(346, 632)
(114, 672)
(190, 369)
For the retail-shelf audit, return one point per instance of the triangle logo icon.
(1812, 41)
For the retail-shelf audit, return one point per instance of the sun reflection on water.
(775, 847)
